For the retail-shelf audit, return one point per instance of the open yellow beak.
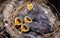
(18, 21)
(24, 28)
(29, 6)
(27, 19)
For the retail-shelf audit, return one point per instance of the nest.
(16, 8)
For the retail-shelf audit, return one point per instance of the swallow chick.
(18, 21)
(33, 9)
(27, 19)
(24, 28)
(29, 6)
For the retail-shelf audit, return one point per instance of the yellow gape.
(29, 6)
(24, 28)
(18, 21)
(27, 19)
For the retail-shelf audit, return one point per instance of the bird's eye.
(27, 19)
(18, 21)
(29, 6)
(24, 28)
